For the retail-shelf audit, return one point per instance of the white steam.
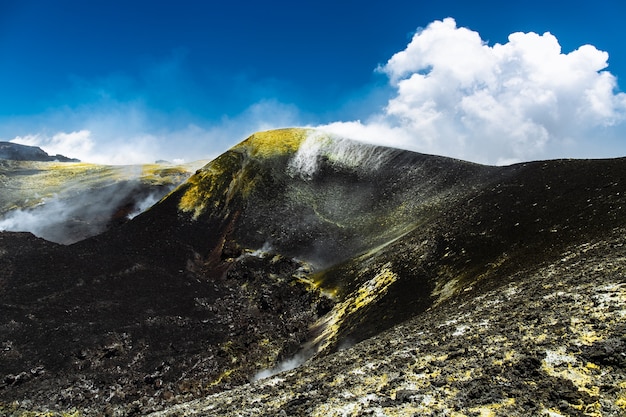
(457, 96)
(286, 365)
(75, 214)
(339, 151)
(54, 219)
(25, 221)
(265, 250)
(143, 205)
(131, 134)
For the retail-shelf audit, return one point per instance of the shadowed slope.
(390, 232)
(549, 342)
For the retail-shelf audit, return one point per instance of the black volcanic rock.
(463, 288)
(17, 152)
(525, 348)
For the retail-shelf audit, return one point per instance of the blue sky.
(121, 82)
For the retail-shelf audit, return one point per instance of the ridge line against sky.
(111, 82)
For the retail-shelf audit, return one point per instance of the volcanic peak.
(236, 171)
(231, 273)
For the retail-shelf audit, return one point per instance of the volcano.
(400, 283)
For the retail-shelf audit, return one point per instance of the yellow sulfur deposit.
(274, 142)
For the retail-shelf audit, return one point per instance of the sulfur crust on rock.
(274, 142)
(417, 369)
(14, 411)
(365, 295)
(211, 185)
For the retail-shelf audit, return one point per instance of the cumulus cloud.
(456, 95)
(451, 93)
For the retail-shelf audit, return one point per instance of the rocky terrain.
(547, 341)
(407, 284)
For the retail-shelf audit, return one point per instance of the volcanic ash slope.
(513, 277)
(413, 284)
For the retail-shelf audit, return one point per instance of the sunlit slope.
(68, 201)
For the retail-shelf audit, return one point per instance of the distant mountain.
(17, 152)
(65, 202)
(404, 283)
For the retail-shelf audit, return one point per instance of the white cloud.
(77, 143)
(525, 99)
(84, 145)
(209, 140)
(452, 94)
(130, 133)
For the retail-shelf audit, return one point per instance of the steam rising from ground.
(144, 205)
(74, 215)
(339, 151)
(457, 96)
(54, 220)
(128, 133)
(286, 365)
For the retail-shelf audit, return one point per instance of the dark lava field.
(300, 274)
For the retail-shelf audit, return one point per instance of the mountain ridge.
(18, 152)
